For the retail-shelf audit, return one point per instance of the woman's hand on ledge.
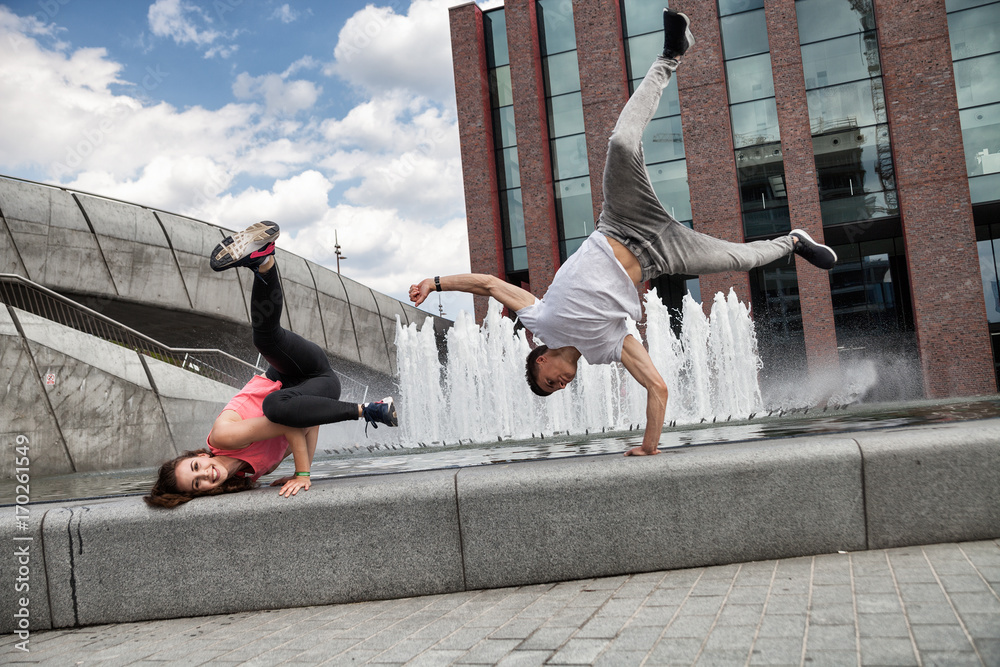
(291, 485)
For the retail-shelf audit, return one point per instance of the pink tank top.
(262, 455)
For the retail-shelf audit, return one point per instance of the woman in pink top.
(275, 414)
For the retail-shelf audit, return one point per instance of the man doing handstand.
(584, 311)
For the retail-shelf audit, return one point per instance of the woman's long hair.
(166, 494)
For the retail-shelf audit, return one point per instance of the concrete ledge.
(931, 484)
(601, 516)
(503, 525)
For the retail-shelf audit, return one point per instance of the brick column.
(603, 81)
(708, 143)
(949, 309)
(800, 179)
(475, 127)
(532, 143)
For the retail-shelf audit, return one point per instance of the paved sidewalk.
(931, 605)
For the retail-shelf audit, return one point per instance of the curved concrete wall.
(82, 244)
(86, 404)
(507, 525)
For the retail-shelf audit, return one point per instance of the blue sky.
(322, 116)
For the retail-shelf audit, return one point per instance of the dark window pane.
(508, 172)
(556, 26)
(495, 27)
(727, 7)
(565, 115)
(977, 80)
(981, 136)
(669, 103)
(859, 207)
(503, 131)
(853, 161)
(512, 212)
(755, 123)
(569, 157)
(575, 208)
(561, 73)
(569, 246)
(669, 180)
(975, 32)
(516, 259)
(823, 19)
(760, 171)
(642, 16)
(955, 5)
(662, 140)
(749, 78)
(744, 34)
(642, 52)
(840, 60)
(849, 105)
(500, 86)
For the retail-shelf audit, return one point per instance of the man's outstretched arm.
(638, 363)
(481, 284)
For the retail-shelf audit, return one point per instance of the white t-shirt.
(586, 305)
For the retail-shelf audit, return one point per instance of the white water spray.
(482, 395)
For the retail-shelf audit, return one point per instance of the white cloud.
(281, 97)
(180, 21)
(285, 14)
(379, 50)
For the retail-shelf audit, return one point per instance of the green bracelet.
(301, 474)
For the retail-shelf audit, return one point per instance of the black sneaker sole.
(235, 250)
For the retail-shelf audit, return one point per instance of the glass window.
(642, 52)
(500, 87)
(727, 7)
(516, 259)
(841, 60)
(565, 115)
(642, 16)
(849, 105)
(575, 207)
(749, 78)
(562, 74)
(512, 210)
(569, 157)
(955, 5)
(662, 140)
(504, 132)
(859, 207)
(669, 180)
(755, 123)
(988, 269)
(556, 30)
(823, 19)
(974, 32)
(977, 80)
(981, 136)
(760, 171)
(509, 173)
(495, 27)
(569, 246)
(853, 161)
(744, 34)
(985, 188)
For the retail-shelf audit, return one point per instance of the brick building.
(872, 124)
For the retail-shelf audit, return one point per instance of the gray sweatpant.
(633, 216)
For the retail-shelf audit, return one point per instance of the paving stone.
(721, 658)
(550, 638)
(675, 650)
(525, 659)
(883, 625)
(435, 658)
(689, 626)
(940, 638)
(579, 652)
(776, 651)
(840, 658)
(488, 652)
(878, 604)
(982, 626)
(787, 604)
(831, 638)
(887, 651)
(950, 659)
(740, 614)
(613, 658)
(832, 614)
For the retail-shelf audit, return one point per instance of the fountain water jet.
(481, 394)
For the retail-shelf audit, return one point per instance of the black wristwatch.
(437, 283)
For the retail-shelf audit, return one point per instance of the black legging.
(309, 388)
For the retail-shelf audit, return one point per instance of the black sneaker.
(677, 37)
(816, 254)
(248, 248)
(382, 412)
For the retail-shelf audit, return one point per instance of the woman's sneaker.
(816, 254)
(248, 248)
(677, 37)
(381, 412)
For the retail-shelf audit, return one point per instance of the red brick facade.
(948, 304)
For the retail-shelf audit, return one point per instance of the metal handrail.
(27, 295)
